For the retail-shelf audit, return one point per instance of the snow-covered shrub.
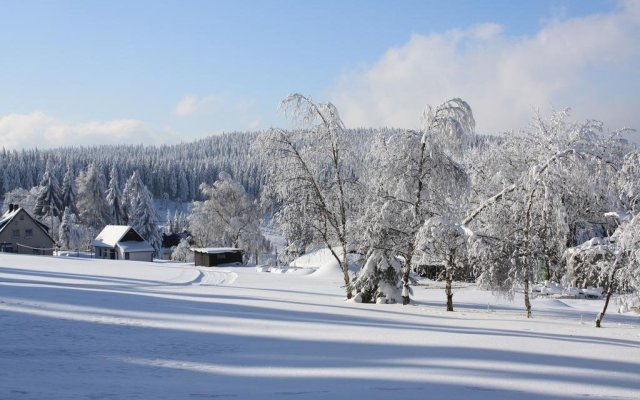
(182, 252)
(381, 276)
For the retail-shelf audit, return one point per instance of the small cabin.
(21, 233)
(214, 256)
(121, 242)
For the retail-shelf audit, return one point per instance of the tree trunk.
(527, 302)
(405, 276)
(449, 293)
(345, 272)
(604, 308)
(448, 281)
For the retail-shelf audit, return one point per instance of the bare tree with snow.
(415, 176)
(228, 217)
(312, 167)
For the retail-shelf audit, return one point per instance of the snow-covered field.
(93, 329)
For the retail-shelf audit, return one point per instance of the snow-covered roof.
(216, 250)
(111, 235)
(10, 215)
(135, 247)
(6, 217)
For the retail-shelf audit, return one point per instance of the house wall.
(105, 252)
(38, 238)
(211, 260)
(136, 256)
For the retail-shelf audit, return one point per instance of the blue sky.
(79, 72)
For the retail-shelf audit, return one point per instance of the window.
(28, 233)
(15, 233)
(126, 256)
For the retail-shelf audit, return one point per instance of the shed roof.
(216, 250)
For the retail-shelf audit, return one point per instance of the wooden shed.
(214, 256)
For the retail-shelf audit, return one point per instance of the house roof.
(216, 250)
(135, 247)
(111, 236)
(8, 216)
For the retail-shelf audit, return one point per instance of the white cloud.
(191, 104)
(591, 64)
(40, 130)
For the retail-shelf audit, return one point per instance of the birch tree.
(312, 166)
(418, 175)
(228, 217)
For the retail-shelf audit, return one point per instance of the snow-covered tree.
(380, 277)
(169, 223)
(91, 203)
(115, 200)
(611, 263)
(21, 196)
(68, 232)
(445, 242)
(182, 252)
(559, 195)
(313, 167)
(48, 201)
(144, 218)
(228, 217)
(130, 194)
(69, 190)
(414, 176)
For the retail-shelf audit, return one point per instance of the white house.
(122, 242)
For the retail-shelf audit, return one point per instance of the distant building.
(21, 233)
(122, 242)
(170, 242)
(213, 256)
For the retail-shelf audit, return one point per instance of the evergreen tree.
(145, 219)
(131, 193)
(92, 205)
(168, 223)
(48, 201)
(69, 190)
(67, 232)
(115, 199)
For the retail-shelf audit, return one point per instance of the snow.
(77, 328)
(216, 250)
(133, 247)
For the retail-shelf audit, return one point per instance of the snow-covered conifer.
(115, 199)
(69, 190)
(144, 218)
(48, 201)
(91, 203)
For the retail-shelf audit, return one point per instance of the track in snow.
(215, 278)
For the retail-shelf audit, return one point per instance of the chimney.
(10, 207)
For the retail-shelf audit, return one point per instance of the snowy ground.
(97, 329)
